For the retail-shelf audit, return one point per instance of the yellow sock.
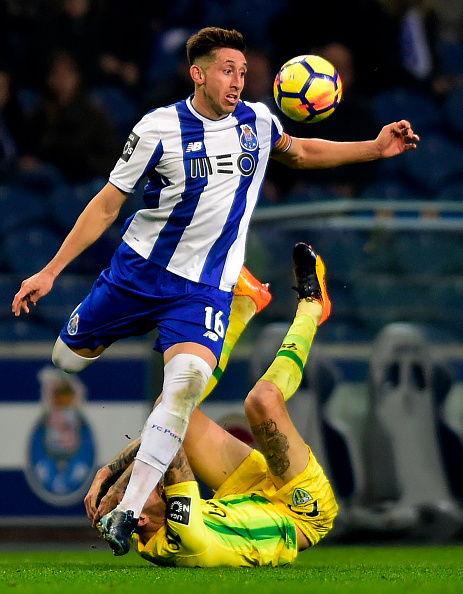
(242, 311)
(288, 366)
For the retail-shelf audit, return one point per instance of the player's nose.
(237, 81)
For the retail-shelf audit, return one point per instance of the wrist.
(375, 149)
(104, 473)
(52, 269)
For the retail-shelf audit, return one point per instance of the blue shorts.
(134, 296)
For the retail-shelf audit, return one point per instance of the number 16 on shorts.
(215, 328)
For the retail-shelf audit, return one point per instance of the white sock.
(185, 378)
(142, 477)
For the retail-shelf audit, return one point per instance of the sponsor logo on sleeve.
(129, 146)
(179, 510)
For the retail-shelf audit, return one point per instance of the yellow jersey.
(248, 523)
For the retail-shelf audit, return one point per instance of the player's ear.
(197, 74)
(142, 520)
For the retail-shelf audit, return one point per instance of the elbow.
(296, 163)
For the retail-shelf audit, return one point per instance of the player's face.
(221, 84)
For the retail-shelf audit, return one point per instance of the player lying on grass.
(268, 504)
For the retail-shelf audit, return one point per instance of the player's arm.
(179, 470)
(315, 153)
(110, 482)
(113, 496)
(98, 215)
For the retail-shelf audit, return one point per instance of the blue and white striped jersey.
(204, 179)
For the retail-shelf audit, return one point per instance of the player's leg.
(73, 360)
(188, 367)
(204, 438)
(249, 297)
(191, 330)
(278, 439)
(115, 308)
(213, 453)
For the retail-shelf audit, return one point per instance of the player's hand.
(95, 493)
(396, 138)
(111, 500)
(32, 289)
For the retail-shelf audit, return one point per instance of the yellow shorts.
(308, 499)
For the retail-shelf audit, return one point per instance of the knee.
(66, 359)
(185, 378)
(262, 400)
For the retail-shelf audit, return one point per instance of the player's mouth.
(232, 98)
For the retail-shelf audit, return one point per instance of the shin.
(185, 377)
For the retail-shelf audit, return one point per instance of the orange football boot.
(248, 285)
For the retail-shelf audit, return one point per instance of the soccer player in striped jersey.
(204, 159)
(268, 504)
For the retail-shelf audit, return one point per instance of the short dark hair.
(209, 39)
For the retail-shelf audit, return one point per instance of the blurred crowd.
(76, 75)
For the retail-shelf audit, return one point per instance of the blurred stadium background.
(382, 399)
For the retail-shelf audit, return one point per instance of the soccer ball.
(307, 89)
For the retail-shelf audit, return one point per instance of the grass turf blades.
(324, 569)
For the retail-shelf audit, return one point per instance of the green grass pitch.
(345, 569)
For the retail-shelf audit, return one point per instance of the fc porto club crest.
(248, 139)
(73, 324)
(61, 451)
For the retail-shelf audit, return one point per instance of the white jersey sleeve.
(138, 155)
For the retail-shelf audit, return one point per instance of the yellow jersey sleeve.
(184, 534)
(185, 518)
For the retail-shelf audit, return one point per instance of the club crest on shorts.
(248, 139)
(301, 497)
(73, 324)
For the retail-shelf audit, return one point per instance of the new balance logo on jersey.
(192, 147)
